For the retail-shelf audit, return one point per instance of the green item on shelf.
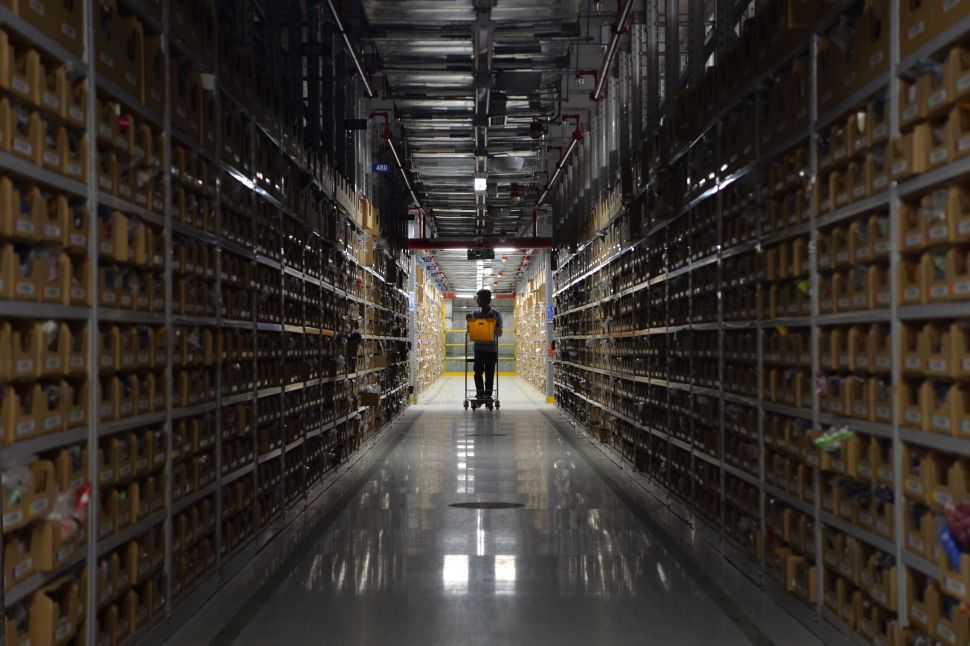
(832, 439)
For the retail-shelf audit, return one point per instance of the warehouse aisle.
(567, 563)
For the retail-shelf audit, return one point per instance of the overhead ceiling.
(468, 276)
(468, 78)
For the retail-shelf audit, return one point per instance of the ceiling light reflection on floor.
(504, 574)
(454, 574)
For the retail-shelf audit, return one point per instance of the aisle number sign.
(380, 168)
(552, 310)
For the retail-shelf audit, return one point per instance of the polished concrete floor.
(395, 563)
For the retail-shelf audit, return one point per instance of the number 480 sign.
(380, 168)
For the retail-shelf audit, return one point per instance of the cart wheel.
(497, 405)
(466, 404)
(488, 406)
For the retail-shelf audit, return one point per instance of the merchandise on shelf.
(730, 333)
(531, 318)
(429, 332)
(246, 300)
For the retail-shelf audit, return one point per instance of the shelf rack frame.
(895, 314)
(227, 562)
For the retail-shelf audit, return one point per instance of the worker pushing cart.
(484, 330)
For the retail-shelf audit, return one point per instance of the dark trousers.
(485, 364)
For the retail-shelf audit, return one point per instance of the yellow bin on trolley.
(481, 329)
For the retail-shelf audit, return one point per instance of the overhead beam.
(488, 243)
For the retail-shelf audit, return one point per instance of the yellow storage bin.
(481, 329)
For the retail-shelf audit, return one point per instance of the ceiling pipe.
(619, 29)
(564, 157)
(558, 116)
(350, 49)
(491, 243)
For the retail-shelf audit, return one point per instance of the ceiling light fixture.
(480, 184)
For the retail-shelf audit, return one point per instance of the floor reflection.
(572, 566)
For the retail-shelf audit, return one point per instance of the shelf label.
(63, 630)
(954, 585)
(914, 486)
(944, 631)
(918, 613)
(938, 156)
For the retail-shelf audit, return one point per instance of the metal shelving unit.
(575, 375)
(224, 563)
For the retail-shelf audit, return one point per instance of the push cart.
(480, 329)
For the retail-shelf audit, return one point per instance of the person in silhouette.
(486, 352)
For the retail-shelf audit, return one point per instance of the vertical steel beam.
(652, 59)
(220, 299)
(546, 260)
(623, 113)
(637, 78)
(413, 325)
(671, 55)
(695, 40)
(724, 20)
(91, 593)
(899, 494)
(169, 342)
(816, 365)
(312, 65)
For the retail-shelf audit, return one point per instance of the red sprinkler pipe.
(619, 28)
(578, 136)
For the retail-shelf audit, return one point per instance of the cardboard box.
(832, 62)
(37, 498)
(55, 612)
(22, 131)
(153, 89)
(58, 20)
(16, 221)
(922, 20)
(187, 98)
(50, 550)
(871, 42)
(119, 42)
